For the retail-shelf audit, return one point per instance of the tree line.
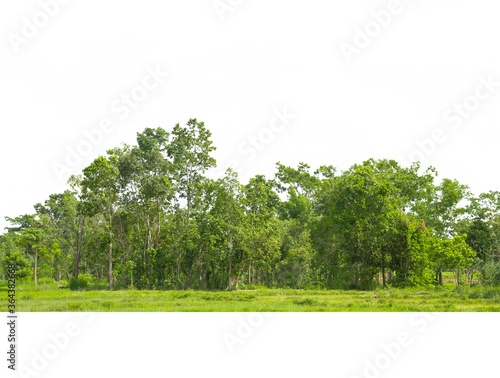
(147, 216)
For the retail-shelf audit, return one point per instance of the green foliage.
(452, 254)
(46, 281)
(84, 282)
(78, 284)
(490, 273)
(23, 267)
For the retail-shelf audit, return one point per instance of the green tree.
(100, 190)
(190, 150)
(23, 267)
(35, 239)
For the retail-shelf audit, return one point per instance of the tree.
(23, 268)
(357, 208)
(100, 190)
(62, 217)
(261, 234)
(453, 254)
(227, 214)
(34, 238)
(190, 151)
(296, 213)
(483, 226)
(146, 187)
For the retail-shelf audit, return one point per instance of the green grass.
(448, 298)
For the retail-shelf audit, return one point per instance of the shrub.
(46, 281)
(490, 273)
(78, 284)
(82, 283)
(23, 267)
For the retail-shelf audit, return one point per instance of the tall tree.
(190, 150)
(100, 190)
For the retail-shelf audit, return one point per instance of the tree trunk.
(149, 243)
(36, 264)
(110, 256)
(158, 231)
(110, 265)
(383, 269)
(79, 248)
(200, 257)
(230, 244)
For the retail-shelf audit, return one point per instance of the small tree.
(33, 238)
(23, 267)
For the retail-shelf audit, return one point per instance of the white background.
(234, 71)
(281, 345)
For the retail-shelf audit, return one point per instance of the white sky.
(235, 73)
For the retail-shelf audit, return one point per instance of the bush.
(82, 283)
(490, 273)
(78, 284)
(23, 267)
(46, 281)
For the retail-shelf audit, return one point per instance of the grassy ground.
(446, 298)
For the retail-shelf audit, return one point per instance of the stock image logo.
(33, 25)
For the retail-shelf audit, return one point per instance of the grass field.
(447, 298)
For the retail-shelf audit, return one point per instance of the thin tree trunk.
(149, 243)
(36, 265)
(383, 269)
(158, 231)
(110, 256)
(178, 269)
(230, 243)
(79, 247)
(200, 257)
(110, 265)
